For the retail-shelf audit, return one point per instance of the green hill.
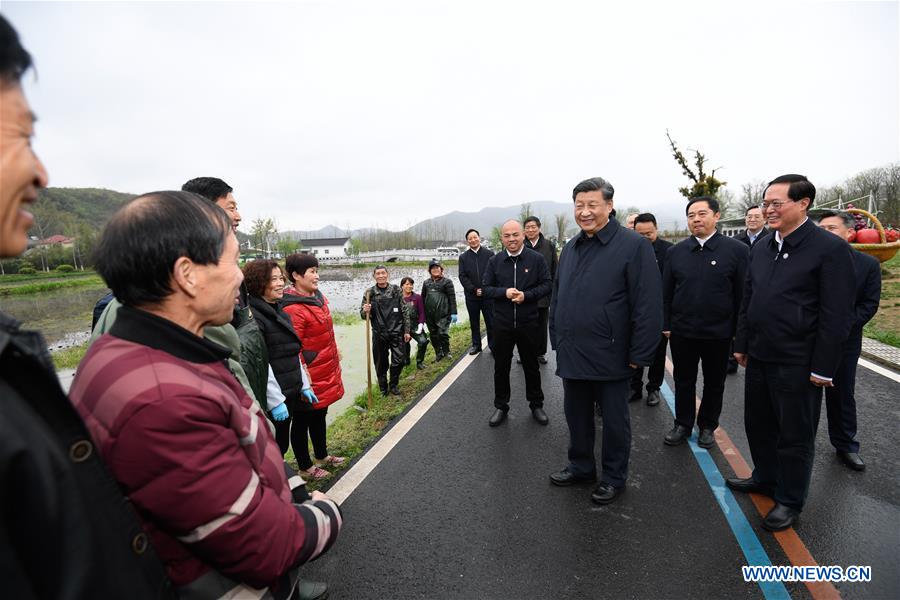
(67, 211)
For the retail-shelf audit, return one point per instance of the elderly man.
(516, 278)
(753, 218)
(792, 325)
(66, 531)
(535, 240)
(182, 437)
(645, 225)
(472, 265)
(840, 401)
(702, 286)
(630, 219)
(605, 322)
(383, 303)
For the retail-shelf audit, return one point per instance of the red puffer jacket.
(312, 322)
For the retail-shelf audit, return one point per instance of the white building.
(326, 249)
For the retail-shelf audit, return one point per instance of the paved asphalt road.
(461, 510)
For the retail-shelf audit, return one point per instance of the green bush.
(65, 268)
(27, 271)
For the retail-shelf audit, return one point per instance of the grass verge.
(46, 286)
(70, 357)
(885, 325)
(352, 432)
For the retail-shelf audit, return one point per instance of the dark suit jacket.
(797, 299)
(472, 266)
(548, 251)
(660, 248)
(527, 272)
(745, 237)
(868, 295)
(702, 287)
(607, 306)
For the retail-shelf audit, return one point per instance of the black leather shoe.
(566, 477)
(748, 485)
(498, 417)
(635, 396)
(852, 460)
(474, 351)
(653, 398)
(542, 359)
(605, 493)
(780, 517)
(395, 390)
(311, 590)
(540, 416)
(678, 435)
(706, 439)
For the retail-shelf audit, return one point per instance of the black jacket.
(283, 347)
(471, 270)
(66, 531)
(796, 300)
(868, 295)
(548, 251)
(660, 248)
(389, 319)
(702, 287)
(607, 305)
(527, 272)
(439, 298)
(745, 238)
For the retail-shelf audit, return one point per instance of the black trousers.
(781, 415)
(656, 372)
(295, 430)
(686, 353)
(421, 347)
(579, 399)
(477, 306)
(439, 330)
(387, 352)
(840, 404)
(525, 339)
(544, 325)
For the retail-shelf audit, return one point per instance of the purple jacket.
(416, 301)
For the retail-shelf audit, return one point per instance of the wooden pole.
(369, 351)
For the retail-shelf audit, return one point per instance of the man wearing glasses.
(792, 324)
(755, 222)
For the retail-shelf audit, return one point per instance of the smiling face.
(381, 277)
(21, 172)
(407, 288)
(702, 219)
(229, 205)
(783, 214)
(592, 211)
(754, 219)
(275, 288)
(532, 231)
(308, 283)
(474, 240)
(512, 236)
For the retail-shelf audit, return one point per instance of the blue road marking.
(743, 532)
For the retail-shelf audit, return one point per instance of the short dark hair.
(140, 244)
(470, 231)
(712, 202)
(211, 188)
(751, 207)
(799, 188)
(645, 218)
(379, 267)
(257, 274)
(299, 263)
(847, 218)
(531, 219)
(595, 184)
(405, 279)
(14, 59)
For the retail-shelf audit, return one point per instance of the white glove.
(420, 328)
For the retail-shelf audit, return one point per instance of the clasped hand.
(515, 296)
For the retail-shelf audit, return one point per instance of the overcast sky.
(380, 113)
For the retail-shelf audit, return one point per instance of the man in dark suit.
(702, 285)
(535, 240)
(472, 265)
(756, 230)
(840, 401)
(645, 225)
(605, 321)
(516, 279)
(793, 322)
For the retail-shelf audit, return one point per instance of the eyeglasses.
(776, 205)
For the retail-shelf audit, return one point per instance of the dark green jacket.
(389, 318)
(439, 298)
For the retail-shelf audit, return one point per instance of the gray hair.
(595, 184)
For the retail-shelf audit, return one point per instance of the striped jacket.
(194, 455)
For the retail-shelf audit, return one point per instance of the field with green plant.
(15, 285)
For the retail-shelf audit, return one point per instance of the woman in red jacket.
(311, 318)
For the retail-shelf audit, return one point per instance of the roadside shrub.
(65, 268)
(27, 271)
